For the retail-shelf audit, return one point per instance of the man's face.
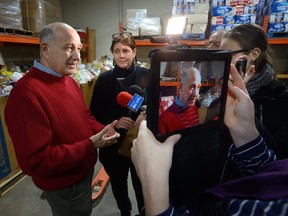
(189, 89)
(63, 54)
(214, 41)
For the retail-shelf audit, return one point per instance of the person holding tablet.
(270, 96)
(262, 189)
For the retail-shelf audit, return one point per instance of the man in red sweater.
(183, 113)
(54, 136)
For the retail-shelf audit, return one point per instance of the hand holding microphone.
(133, 103)
(135, 89)
(125, 123)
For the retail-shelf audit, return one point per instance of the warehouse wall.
(103, 16)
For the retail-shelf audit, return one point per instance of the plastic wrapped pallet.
(10, 14)
(138, 22)
(38, 13)
(196, 12)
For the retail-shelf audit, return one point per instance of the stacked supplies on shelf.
(10, 14)
(278, 17)
(38, 13)
(140, 24)
(196, 12)
(228, 13)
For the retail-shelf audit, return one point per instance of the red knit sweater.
(50, 127)
(175, 118)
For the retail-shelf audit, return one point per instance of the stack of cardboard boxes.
(197, 12)
(38, 13)
(30, 15)
(278, 19)
(10, 14)
(228, 13)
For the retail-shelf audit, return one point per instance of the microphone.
(135, 89)
(133, 103)
(123, 98)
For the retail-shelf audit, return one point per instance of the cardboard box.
(87, 90)
(222, 11)
(10, 14)
(41, 8)
(38, 13)
(36, 24)
(278, 27)
(5, 167)
(9, 168)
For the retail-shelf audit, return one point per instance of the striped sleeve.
(251, 156)
(257, 207)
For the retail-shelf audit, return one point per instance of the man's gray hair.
(183, 73)
(46, 35)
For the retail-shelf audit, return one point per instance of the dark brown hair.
(250, 36)
(127, 40)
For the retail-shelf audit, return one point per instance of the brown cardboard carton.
(38, 13)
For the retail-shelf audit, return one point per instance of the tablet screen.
(187, 90)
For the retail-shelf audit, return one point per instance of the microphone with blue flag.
(133, 103)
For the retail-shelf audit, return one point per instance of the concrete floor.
(25, 200)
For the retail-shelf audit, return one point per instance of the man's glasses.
(239, 51)
(122, 34)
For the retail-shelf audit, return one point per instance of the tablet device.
(187, 91)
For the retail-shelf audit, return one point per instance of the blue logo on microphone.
(135, 103)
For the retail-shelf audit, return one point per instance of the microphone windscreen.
(123, 98)
(135, 89)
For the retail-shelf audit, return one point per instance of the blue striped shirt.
(41, 67)
(251, 156)
(237, 207)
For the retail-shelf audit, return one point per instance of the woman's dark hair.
(250, 36)
(125, 39)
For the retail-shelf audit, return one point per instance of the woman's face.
(123, 55)
(232, 45)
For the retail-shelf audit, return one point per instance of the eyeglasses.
(239, 51)
(122, 34)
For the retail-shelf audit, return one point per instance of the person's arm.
(50, 136)
(105, 137)
(251, 156)
(150, 156)
(239, 111)
(152, 161)
(250, 151)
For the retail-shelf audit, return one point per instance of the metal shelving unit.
(145, 42)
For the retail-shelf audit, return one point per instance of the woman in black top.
(270, 96)
(105, 108)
